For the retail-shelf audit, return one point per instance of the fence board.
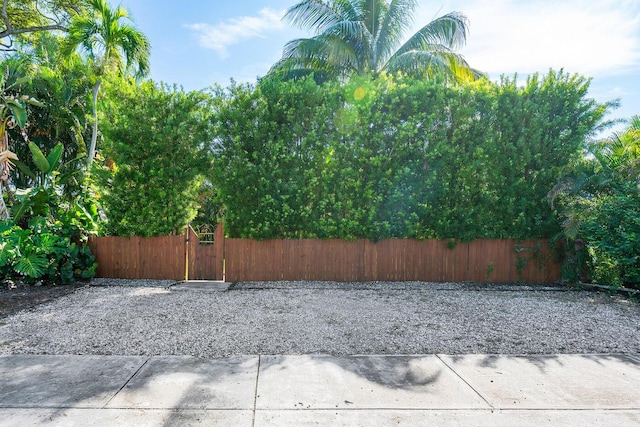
(161, 257)
(251, 260)
(541, 265)
(491, 261)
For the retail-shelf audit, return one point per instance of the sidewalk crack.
(126, 383)
(466, 382)
(255, 394)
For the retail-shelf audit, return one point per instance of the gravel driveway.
(149, 318)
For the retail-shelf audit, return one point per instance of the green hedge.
(397, 157)
(156, 156)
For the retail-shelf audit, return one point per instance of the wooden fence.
(167, 257)
(140, 258)
(184, 257)
(499, 261)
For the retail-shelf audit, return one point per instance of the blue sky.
(198, 43)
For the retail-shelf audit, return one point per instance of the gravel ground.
(149, 318)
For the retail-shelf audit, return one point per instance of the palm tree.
(619, 156)
(360, 36)
(111, 43)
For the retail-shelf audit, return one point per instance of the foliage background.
(600, 204)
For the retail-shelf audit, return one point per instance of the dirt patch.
(22, 297)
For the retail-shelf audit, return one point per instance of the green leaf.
(38, 158)
(40, 202)
(34, 102)
(7, 252)
(27, 200)
(19, 111)
(24, 169)
(88, 216)
(18, 210)
(32, 265)
(54, 156)
(20, 81)
(46, 242)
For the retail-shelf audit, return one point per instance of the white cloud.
(235, 30)
(590, 38)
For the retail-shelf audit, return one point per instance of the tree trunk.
(4, 176)
(4, 212)
(94, 134)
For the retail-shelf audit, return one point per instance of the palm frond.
(108, 39)
(293, 69)
(460, 69)
(356, 42)
(620, 153)
(432, 49)
(372, 13)
(634, 129)
(136, 49)
(321, 53)
(410, 62)
(349, 30)
(350, 10)
(81, 32)
(395, 23)
(571, 184)
(449, 30)
(314, 15)
(362, 35)
(431, 63)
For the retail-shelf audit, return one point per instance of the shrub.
(43, 252)
(600, 201)
(45, 238)
(613, 235)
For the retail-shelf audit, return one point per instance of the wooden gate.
(205, 259)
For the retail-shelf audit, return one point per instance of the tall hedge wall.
(397, 157)
(157, 155)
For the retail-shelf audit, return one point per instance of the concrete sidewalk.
(441, 390)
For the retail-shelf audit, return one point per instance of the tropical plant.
(365, 36)
(111, 43)
(13, 113)
(42, 251)
(64, 87)
(37, 199)
(619, 156)
(46, 239)
(611, 231)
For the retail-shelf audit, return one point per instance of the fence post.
(218, 241)
(187, 235)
